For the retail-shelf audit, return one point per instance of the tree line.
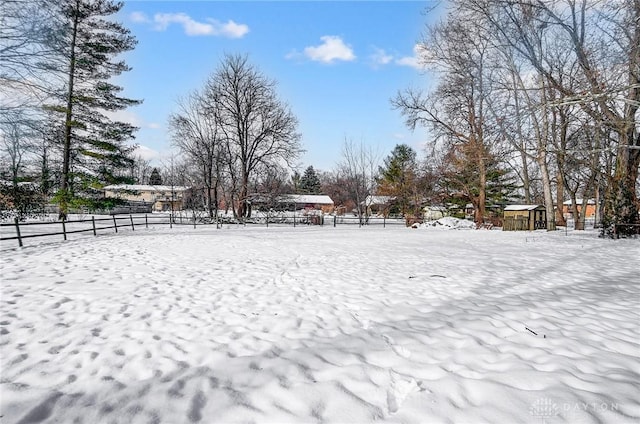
(536, 101)
(548, 90)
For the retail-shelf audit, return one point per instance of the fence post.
(146, 222)
(115, 223)
(170, 220)
(93, 222)
(131, 219)
(194, 220)
(335, 217)
(18, 231)
(384, 221)
(64, 230)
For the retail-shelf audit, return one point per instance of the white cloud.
(132, 118)
(139, 17)
(380, 57)
(331, 49)
(146, 153)
(417, 61)
(211, 27)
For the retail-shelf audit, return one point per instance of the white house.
(163, 198)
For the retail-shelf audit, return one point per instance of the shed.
(524, 217)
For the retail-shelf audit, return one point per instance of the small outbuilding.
(524, 218)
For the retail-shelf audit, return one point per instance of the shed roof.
(521, 207)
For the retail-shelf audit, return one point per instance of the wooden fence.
(92, 225)
(28, 230)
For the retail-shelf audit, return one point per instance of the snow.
(319, 199)
(520, 207)
(321, 324)
(447, 223)
(139, 187)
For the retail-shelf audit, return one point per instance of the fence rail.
(28, 230)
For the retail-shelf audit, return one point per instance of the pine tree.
(155, 178)
(94, 146)
(310, 182)
(398, 178)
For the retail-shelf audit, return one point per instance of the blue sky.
(336, 63)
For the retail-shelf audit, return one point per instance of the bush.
(21, 202)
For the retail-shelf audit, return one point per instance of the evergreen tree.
(310, 182)
(94, 146)
(155, 178)
(398, 178)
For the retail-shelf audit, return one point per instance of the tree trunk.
(546, 188)
(480, 210)
(66, 155)
(526, 181)
(577, 224)
(621, 204)
(560, 220)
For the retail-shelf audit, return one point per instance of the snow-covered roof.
(377, 200)
(521, 207)
(579, 202)
(318, 199)
(144, 187)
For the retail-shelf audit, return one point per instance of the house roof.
(317, 199)
(144, 187)
(579, 202)
(521, 207)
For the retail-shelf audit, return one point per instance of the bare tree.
(198, 135)
(359, 167)
(257, 127)
(457, 109)
(17, 143)
(25, 55)
(604, 41)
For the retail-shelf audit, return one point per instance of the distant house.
(162, 198)
(590, 211)
(306, 201)
(524, 217)
(378, 205)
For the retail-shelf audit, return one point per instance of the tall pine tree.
(398, 178)
(310, 182)
(155, 178)
(94, 146)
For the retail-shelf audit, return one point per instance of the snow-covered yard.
(321, 324)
